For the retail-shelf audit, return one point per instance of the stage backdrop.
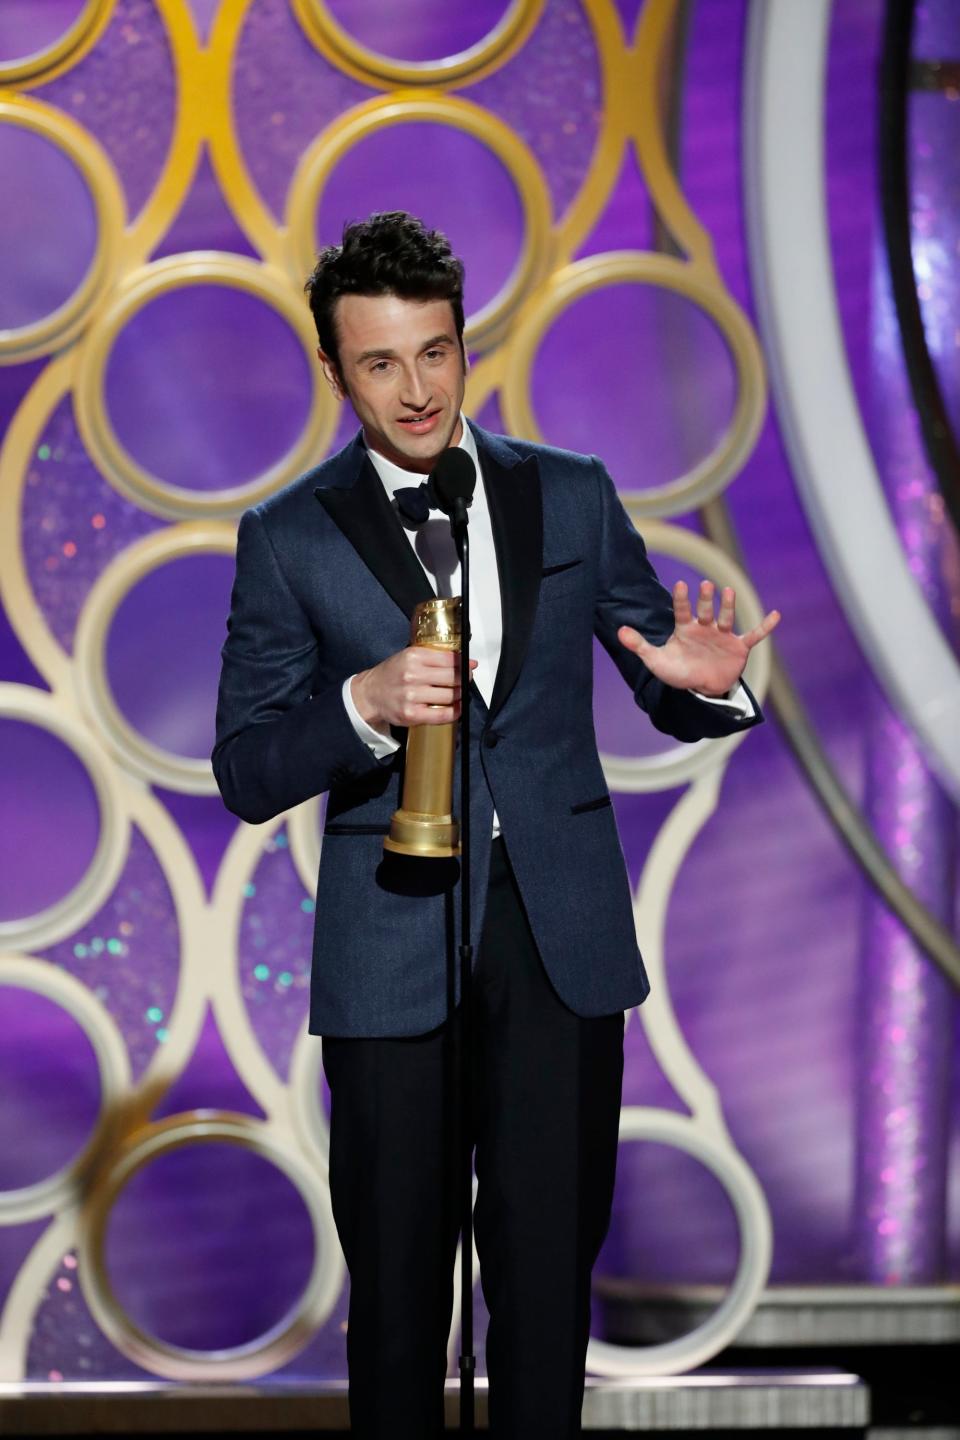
(170, 167)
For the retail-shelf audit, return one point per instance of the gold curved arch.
(241, 194)
(488, 325)
(141, 757)
(63, 1188)
(487, 55)
(189, 64)
(64, 916)
(712, 473)
(654, 34)
(279, 1344)
(616, 120)
(75, 42)
(64, 324)
(205, 267)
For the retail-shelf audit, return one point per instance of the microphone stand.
(459, 527)
(468, 1362)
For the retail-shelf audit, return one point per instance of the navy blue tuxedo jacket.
(326, 581)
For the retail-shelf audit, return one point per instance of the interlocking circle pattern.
(241, 938)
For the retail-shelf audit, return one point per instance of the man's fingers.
(761, 631)
(632, 639)
(433, 659)
(728, 602)
(433, 714)
(682, 613)
(705, 603)
(426, 658)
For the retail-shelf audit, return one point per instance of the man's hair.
(390, 253)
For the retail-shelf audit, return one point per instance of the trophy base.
(430, 837)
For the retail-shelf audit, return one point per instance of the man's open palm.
(702, 653)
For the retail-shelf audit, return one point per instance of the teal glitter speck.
(281, 841)
(96, 945)
(162, 1034)
(43, 451)
(80, 951)
(115, 947)
(285, 977)
(249, 890)
(307, 906)
(154, 1014)
(261, 972)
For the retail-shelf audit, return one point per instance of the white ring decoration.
(140, 756)
(753, 1218)
(65, 1187)
(64, 916)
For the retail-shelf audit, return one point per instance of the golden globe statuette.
(424, 825)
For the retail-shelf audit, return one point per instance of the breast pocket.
(564, 578)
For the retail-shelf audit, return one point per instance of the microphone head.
(453, 478)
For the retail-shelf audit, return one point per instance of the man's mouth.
(419, 424)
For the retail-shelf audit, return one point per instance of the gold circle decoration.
(64, 52)
(708, 477)
(141, 757)
(35, 707)
(683, 762)
(285, 1339)
(349, 55)
(62, 325)
(63, 1188)
(488, 325)
(176, 502)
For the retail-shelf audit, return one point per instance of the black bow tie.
(413, 502)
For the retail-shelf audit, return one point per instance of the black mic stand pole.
(467, 1359)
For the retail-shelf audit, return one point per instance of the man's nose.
(415, 391)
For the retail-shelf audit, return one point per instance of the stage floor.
(709, 1400)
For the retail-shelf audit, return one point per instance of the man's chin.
(425, 450)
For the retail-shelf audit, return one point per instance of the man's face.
(402, 368)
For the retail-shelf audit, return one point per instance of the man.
(318, 684)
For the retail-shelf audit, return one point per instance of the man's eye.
(379, 365)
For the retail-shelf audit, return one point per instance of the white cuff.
(381, 745)
(736, 699)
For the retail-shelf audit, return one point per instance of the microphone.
(451, 484)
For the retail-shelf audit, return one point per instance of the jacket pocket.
(557, 580)
(598, 804)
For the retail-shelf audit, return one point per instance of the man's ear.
(331, 373)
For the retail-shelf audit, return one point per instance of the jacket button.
(490, 738)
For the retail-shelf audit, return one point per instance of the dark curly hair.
(390, 253)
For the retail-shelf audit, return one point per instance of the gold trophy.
(424, 825)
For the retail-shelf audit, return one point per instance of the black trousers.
(547, 1088)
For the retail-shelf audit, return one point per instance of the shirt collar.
(394, 476)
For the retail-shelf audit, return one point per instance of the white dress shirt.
(434, 548)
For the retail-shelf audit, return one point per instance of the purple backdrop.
(205, 387)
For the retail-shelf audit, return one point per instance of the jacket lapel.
(516, 517)
(357, 503)
(364, 514)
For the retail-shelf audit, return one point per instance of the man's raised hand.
(702, 653)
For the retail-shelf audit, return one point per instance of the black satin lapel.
(365, 516)
(516, 517)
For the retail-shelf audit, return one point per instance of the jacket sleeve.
(279, 740)
(629, 593)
